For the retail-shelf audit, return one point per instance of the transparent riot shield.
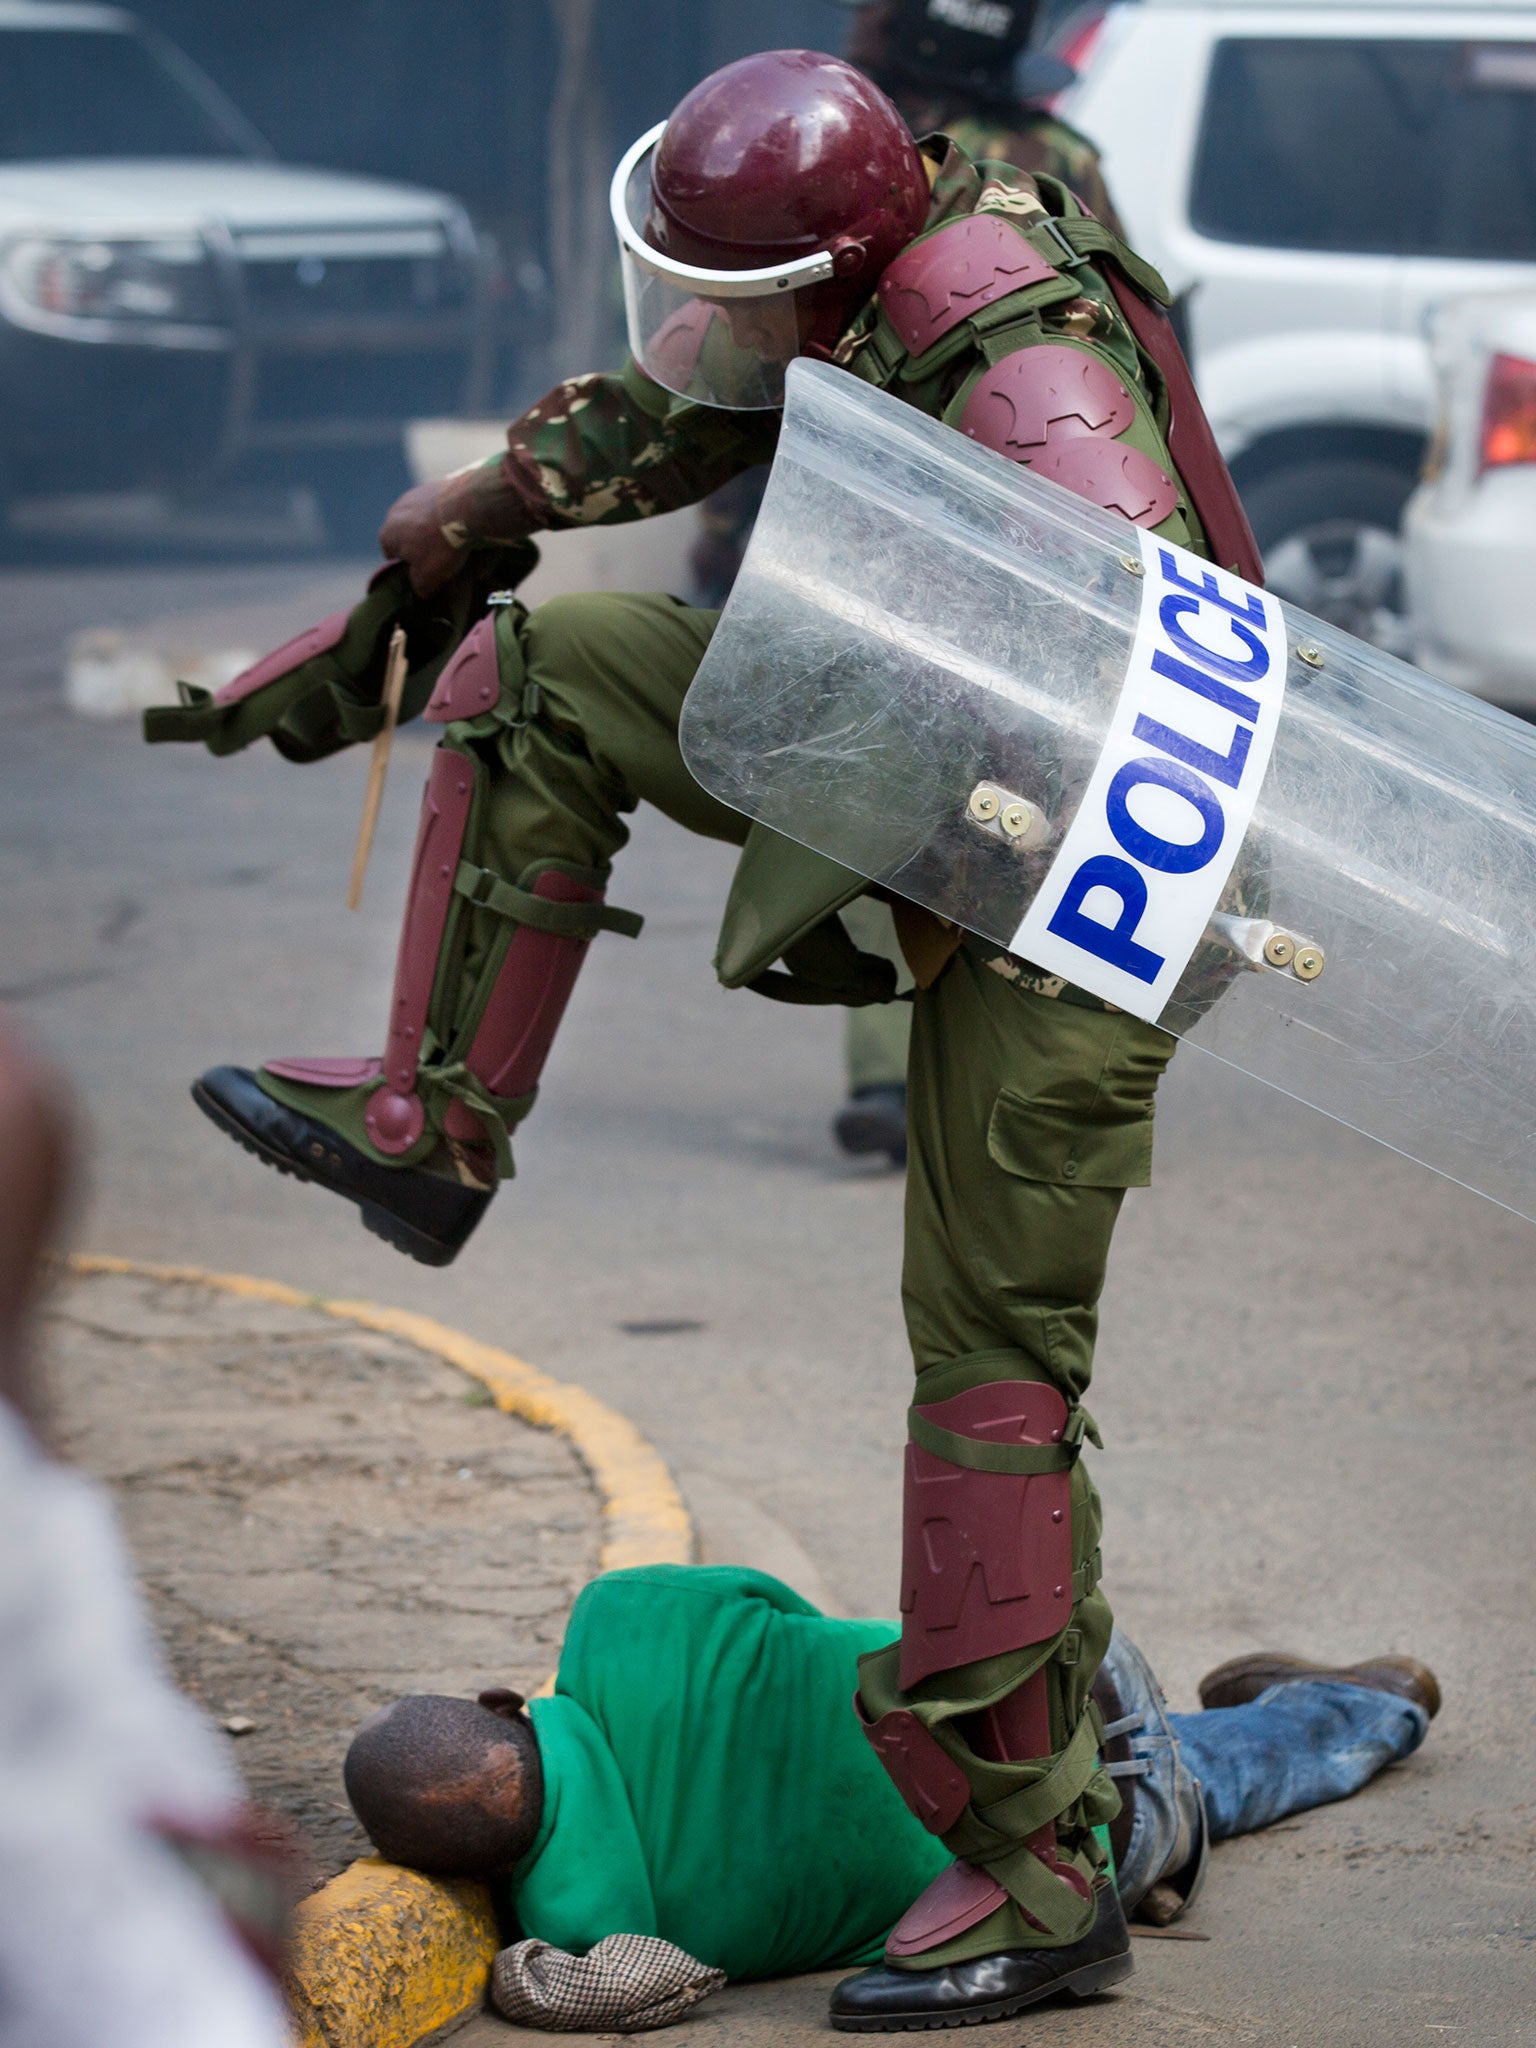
(1020, 711)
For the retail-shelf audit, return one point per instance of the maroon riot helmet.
(756, 222)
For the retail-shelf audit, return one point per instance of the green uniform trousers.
(1029, 1116)
(876, 1038)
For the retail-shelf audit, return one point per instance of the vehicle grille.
(293, 279)
(394, 384)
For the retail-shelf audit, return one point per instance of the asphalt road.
(1316, 1376)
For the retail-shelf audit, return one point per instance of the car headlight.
(52, 283)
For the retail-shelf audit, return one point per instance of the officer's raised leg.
(556, 723)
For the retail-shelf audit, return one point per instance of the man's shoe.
(1242, 1679)
(424, 1215)
(874, 1120)
(887, 2001)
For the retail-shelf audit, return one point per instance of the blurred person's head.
(968, 48)
(450, 1786)
(36, 1175)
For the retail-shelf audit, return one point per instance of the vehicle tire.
(1330, 534)
(354, 488)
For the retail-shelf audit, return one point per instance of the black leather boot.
(425, 1215)
(874, 1119)
(887, 2001)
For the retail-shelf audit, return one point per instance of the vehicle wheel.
(354, 489)
(1329, 532)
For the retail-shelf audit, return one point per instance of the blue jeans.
(1295, 1746)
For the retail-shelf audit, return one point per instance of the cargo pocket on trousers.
(1059, 1147)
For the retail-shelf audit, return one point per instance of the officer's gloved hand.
(416, 533)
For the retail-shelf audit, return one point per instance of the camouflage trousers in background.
(1029, 1117)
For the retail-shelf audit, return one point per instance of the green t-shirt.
(705, 1779)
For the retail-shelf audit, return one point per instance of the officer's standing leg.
(875, 1041)
(550, 737)
(1029, 1116)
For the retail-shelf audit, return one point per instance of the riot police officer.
(785, 210)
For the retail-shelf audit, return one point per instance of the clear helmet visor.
(722, 337)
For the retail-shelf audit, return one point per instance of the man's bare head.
(450, 1786)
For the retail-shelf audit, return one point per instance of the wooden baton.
(378, 765)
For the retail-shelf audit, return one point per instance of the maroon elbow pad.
(284, 660)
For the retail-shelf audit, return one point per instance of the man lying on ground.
(697, 1797)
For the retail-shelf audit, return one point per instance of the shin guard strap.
(541, 913)
(1021, 1814)
(977, 1455)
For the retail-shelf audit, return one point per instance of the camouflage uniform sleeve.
(601, 450)
(1038, 143)
(1049, 145)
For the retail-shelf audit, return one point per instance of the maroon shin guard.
(986, 1572)
(507, 1053)
(512, 1037)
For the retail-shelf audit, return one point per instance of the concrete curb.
(384, 1957)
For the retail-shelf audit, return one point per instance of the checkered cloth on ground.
(627, 1984)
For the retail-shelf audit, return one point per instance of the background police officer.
(959, 68)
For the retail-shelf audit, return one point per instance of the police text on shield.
(1145, 860)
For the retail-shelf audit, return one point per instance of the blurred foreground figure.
(698, 1728)
(785, 211)
(121, 1822)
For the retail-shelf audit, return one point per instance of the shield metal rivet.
(1280, 949)
(1132, 566)
(985, 805)
(1312, 656)
(1015, 820)
(1309, 963)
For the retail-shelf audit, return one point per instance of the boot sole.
(860, 1135)
(396, 1233)
(1087, 1982)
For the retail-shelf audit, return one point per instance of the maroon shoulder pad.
(953, 273)
(283, 660)
(1048, 393)
(1108, 473)
(470, 683)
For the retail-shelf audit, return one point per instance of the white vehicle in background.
(1311, 178)
(1470, 528)
(179, 310)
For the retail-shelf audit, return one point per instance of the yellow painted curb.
(644, 1519)
(384, 1957)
